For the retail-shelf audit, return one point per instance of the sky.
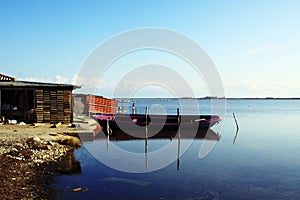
(254, 45)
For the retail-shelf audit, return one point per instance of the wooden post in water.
(108, 133)
(133, 108)
(146, 135)
(146, 140)
(178, 152)
(237, 126)
(122, 106)
(107, 127)
(146, 113)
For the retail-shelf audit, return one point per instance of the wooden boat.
(156, 122)
(105, 112)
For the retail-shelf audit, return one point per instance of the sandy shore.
(29, 157)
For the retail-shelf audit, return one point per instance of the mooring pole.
(133, 108)
(237, 126)
(108, 133)
(122, 106)
(146, 136)
(107, 127)
(178, 149)
(146, 139)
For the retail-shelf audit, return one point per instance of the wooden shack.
(35, 102)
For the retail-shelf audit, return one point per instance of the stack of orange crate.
(98, 104)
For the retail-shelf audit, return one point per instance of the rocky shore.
(29, 159)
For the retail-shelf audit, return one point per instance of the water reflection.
(235, 136)
(69, 165)
(263, 164)
(119, 135)
(164, 135)
(178, 149)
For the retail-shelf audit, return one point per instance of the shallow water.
(262, 162)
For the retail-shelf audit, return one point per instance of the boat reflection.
(118, 135)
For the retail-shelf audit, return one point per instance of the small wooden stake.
(237, 129)
(122, 107)
(133, 108)
(146, 113)
(108, 133)
(146, 136)
(107, 126)
(146, 140)
(178, 149)
(237, 126)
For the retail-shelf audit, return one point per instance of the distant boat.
(161, 122)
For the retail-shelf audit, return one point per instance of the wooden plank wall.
(47, 106)
(53, 106)
(67, 103)
(60, 105)
(39, 97)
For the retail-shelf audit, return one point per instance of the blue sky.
(255, 44)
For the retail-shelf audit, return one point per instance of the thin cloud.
(35, 79)
(269, 47)
(261, 49)
(57, 79)
(60, 79)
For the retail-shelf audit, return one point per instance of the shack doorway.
(18, 105)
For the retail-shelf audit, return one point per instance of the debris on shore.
(30, 158)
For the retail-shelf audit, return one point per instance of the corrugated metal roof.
(26, 84)
(10, 82)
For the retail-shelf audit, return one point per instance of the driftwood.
(38, 124)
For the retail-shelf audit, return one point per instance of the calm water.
(263, 163)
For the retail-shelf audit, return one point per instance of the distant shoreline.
(267, 98)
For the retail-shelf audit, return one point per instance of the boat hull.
(156, 122)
